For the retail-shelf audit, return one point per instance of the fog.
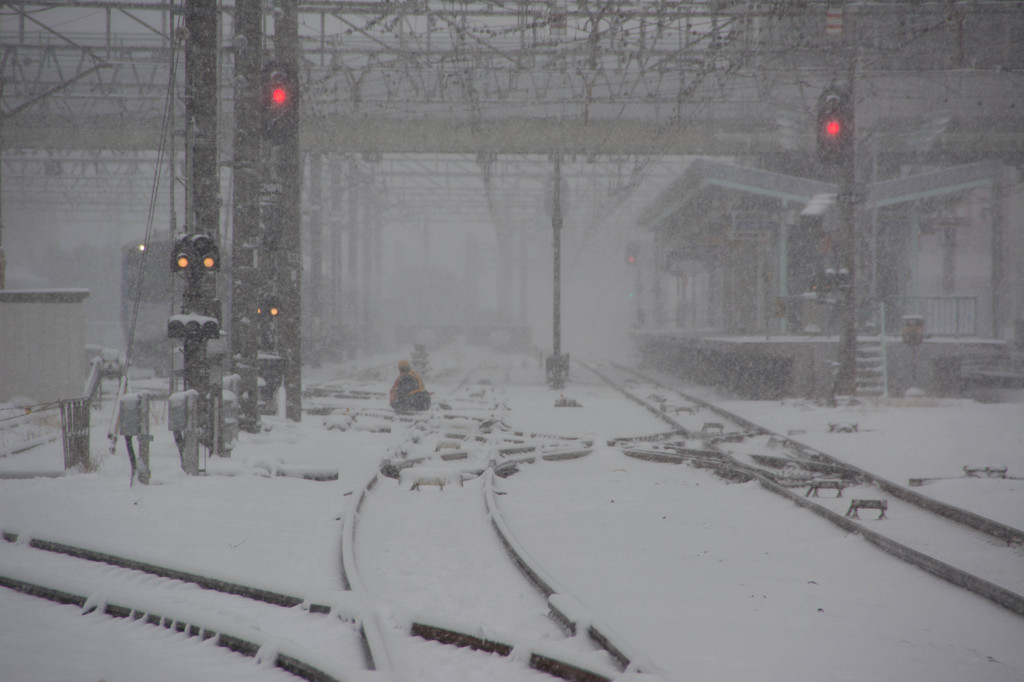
(437, 266)
(434, 134)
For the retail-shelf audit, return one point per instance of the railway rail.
(469, 443)
(485, 447)
(528, 640)
(300, 636)
(356, 631)
(313, 641)
(964, 548)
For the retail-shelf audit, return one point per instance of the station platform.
(774, 367)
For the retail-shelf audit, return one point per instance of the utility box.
(130, 418)
(230, 411)
(181, 408)
(181, 419)
(42, 344)
(133, 420)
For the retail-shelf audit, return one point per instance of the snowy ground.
(710, 580)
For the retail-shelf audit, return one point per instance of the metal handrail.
(944, 315)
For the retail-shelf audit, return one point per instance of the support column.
(557, 366)
(352, 327)
(289, 262)
(366, 258)
(316, 255)
(846, 380)
(336, 305)
(1001, 321)
(202, 21)
(245, 218)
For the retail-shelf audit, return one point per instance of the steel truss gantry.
(456, 109)
(595, 78)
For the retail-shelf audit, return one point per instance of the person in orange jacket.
(408, 394)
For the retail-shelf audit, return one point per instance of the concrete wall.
(42, 344)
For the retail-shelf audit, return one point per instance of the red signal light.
(279, 95)
(833, 127)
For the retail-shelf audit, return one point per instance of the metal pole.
(522, 274)
(885, 357)
(846, 381)
(246, 275)
(316, 253)
(3, 261)
(144, 438)
(784, 269)
(289, 266)
(847, 351)
(351, 322)
(557, 369)
(203, 204)
(366, 256)
(201, 20)
(1000, 309)
(556, 226)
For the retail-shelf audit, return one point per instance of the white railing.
(943, 315)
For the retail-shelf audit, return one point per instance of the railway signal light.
(835, 127)
(817, 284)
(207, 253)
(269, 307)
(268, 311)
(194, 253)
(192, 328)
(631, 253)
(280, 101)
(181, 255)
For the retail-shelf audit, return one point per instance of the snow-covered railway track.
(345, 638)
(453, 445)
(317, 642)
(449, 536)
(430, 517)
(573, 616)
(964, 548)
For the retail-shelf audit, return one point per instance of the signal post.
(198, 415)
(246, 274)
(835, 134)
(279, 197)
(196, 256)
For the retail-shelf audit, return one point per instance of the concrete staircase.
(871, 373)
